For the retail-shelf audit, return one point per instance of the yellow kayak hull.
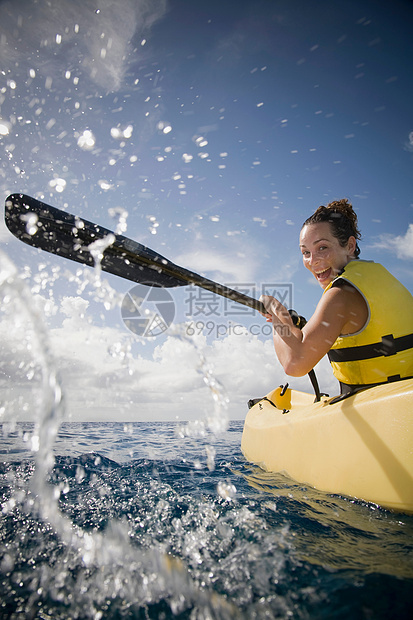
(361, 446)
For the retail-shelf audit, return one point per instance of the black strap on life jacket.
(388, 346)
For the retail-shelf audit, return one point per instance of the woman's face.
(322, 253)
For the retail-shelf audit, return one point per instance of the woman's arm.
(340, 310)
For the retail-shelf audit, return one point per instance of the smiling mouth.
(323, 275)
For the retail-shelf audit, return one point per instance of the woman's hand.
(341, 310)
(277, 314)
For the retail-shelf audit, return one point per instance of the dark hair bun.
(343, 219)
(345, 208)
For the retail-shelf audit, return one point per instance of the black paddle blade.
(66, 235)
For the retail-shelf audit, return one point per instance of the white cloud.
(107, 374)
(97, 36)
(401, 245)
(409, 143)
(4, 232)
(223, 266)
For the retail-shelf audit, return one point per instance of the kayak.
(360, 446)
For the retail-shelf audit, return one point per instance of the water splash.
(217, 420)
(97, 249)
(108, 563)
(31, 220)
(120, 215)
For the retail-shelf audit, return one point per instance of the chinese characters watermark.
(149, 311)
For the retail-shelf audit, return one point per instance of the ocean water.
(167, 520)
(149, 520)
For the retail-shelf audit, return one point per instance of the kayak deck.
(361, 446)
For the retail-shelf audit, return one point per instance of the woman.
(364, 319)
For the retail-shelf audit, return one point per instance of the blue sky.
(219, 127)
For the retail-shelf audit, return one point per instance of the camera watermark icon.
(148, 311)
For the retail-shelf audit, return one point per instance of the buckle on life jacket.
(388, 346)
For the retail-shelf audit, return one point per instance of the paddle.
(66, 235)
(69, 236)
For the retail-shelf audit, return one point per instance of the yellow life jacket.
(382, 350)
